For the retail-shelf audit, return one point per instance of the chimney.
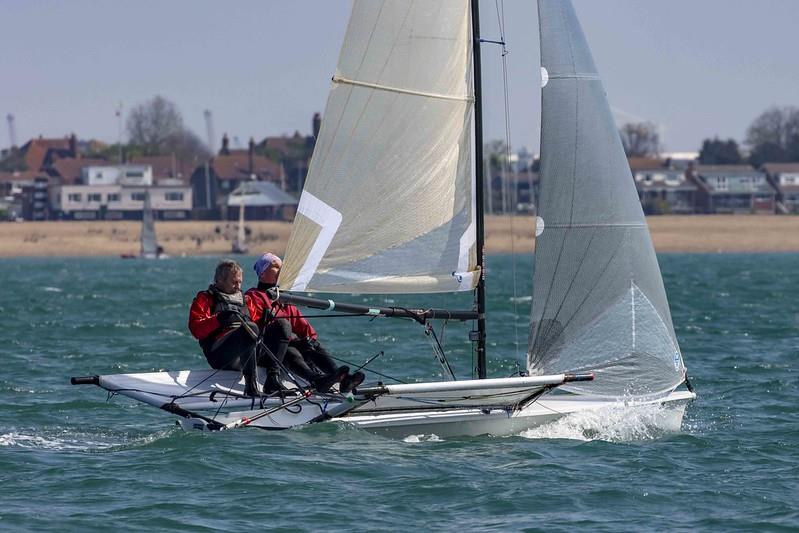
(316, 124)
(225, 145)
(250, 154)
(73, 145)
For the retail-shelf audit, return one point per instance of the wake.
(616, 423)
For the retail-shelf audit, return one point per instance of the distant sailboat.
(149, 248)
(240, 241)
(393, 205)
(148, 241)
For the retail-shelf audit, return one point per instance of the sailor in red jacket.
(220, 320)
(305, 355)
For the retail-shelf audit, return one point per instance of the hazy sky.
(696, 68)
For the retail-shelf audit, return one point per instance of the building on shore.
(733, 189)
(262, 200)
(213, 181)
(118, 193)
(784, 177)
(663, 186)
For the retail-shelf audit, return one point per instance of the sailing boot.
(273, 384)
(250, 376)
(324, 382)
(350, 382)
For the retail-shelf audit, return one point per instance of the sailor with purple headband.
(305, 356)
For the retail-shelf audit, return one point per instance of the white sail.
(149, 242)
(599, 304)
(388, 204)
(240, 242)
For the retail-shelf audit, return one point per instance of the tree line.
(155, 127)
(773, 137)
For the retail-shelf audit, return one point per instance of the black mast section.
(478, 163)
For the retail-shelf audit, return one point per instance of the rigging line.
(500, 8)
(438, 350)
(349, 363)
(206, 378)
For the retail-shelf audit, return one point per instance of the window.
(113, 197)
(137, 196)
(74, 197)
(134, 174)
(94, 197)
(173, 196)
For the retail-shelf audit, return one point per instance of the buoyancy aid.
(227, 302)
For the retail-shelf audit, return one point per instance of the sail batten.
(400, 90)
(393, 159)
(598, 299)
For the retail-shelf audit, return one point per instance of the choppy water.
(69, 460)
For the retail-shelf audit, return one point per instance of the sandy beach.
(717, 233)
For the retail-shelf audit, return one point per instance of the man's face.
(231, 284)
(271, 273)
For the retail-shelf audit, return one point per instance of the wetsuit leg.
(237, 352)
(320, 358)
(296, 363)
(276, 336)
(230, 354)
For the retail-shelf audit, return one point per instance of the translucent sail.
(149, 243)
(388, 206)
(599, 302)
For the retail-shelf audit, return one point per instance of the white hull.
(207, 399)
(498, 422)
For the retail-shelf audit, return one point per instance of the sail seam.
(574, 77)
(345, 81)
(620, 225)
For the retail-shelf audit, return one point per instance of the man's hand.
(307, 343)
(226, 318)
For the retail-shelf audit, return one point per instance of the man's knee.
(278, 328)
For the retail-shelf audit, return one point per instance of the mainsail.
(388, 204)
(599, 303)
(149, 242)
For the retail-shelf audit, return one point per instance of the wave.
(52, 289)
(617, 423)
(63, 440)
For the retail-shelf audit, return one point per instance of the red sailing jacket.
(201, 322)
(258, 302)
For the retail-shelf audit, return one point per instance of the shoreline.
(670, 233)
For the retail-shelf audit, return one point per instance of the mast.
(478, 157)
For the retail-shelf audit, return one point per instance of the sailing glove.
(226, 317)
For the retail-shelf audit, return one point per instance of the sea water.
(71, 460)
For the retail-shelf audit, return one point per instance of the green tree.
(718, 152)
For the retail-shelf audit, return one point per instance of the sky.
(695, 68)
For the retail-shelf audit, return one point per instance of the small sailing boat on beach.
(148, 241)
(393, 205)
(239, 245)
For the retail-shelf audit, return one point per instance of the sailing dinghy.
(148, 241)
(393, 205)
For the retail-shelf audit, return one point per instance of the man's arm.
(201, 322)
(299, 326)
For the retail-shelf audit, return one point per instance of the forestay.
(388, 203)
(599, 302)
